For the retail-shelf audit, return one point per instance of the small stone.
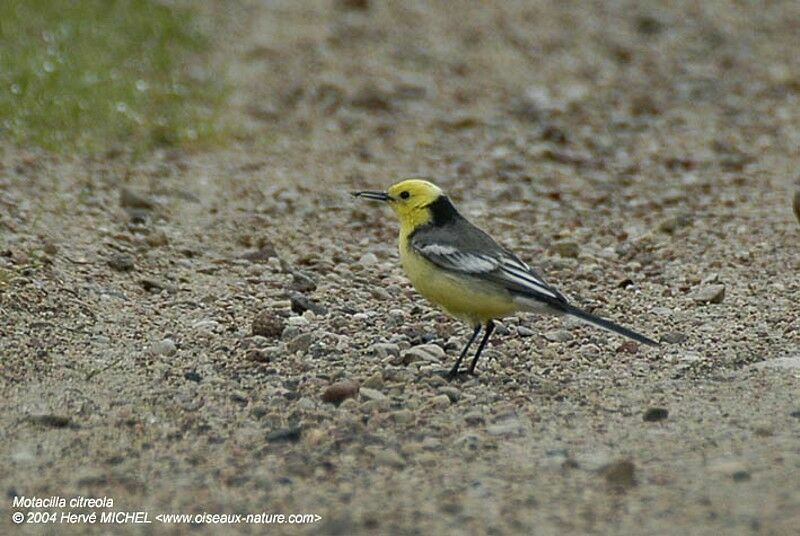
(655, 414)
(673, 223)
(300, 343)
(389, 458)
(506, 427)
(51, 420)
(674, 337)
(192, 376)
(157, 239)
(628, 347)
(735, 470)
(339, 392)
(523, 331)
(558, 335)
(130, 199)
(164, 347)
(301, 304)
(474, 418)
(791, 362)
(567, 249)
(385, 349)
(375, 381)
(154, 285)
(285, 435)
(265, 253)
(452, 393)
(403, 416)
(50, 248)
(121, 262)
(372, 394)
(440, 402)
(258, 355)
(423, 352)
(302, 282)
(709, 294)
(267, 324)
(368, 259)
(620, 474)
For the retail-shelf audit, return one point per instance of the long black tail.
(606, 324)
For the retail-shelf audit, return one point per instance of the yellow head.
(409, 199)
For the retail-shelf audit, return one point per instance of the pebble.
(285, 435)
(736, 470)
(51, 420)
(155, 285)
(340, 391)
(674, 337)
(267, 324)
(164, 347)
(523, 331)
(130, 199)
(791, 362)
(300, 304)
(506, 427)
(368, 259)
(300, 343)
(121, 262)
(709, 294)
(389, 458)
(655, 414)
(474, 418)
(205, 325)
(372, 394)
(440, 402)
(375, 381)
(620, 474)
(403, 416)
(558, 335)
(424, 352)
(192, 376)
(157, 239)
(385, 349)
(567, 249)
(302, 282)
(673, 223)
(451, 392)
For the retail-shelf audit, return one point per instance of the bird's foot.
(458, 375)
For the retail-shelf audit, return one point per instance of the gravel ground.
(228, 331)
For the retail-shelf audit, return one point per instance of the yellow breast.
(467, 298)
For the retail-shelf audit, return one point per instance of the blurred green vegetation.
(89, 74)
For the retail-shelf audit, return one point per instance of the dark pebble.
(620, 474)
(339, 392)
(655, 414)
(303, 283)
(290, 435)
(51, 421)
(301, 304)
(674, 337)
(121, 262)
(192, 376)
(267, 324)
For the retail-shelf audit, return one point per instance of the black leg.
(486, 334)
(454, 371)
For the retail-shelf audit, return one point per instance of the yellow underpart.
(462, 296)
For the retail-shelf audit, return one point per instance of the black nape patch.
(443, 211)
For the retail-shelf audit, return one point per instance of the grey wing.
(468, 250)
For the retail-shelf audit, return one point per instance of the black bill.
(379, 196)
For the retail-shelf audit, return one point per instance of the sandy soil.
(170, 325)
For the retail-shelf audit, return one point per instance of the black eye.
(404, 195)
